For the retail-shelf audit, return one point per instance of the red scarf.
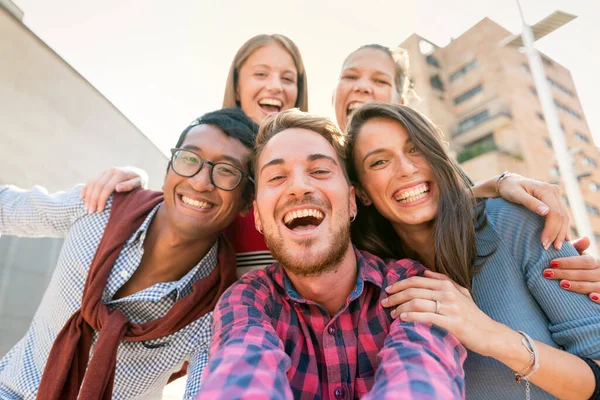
(67, 364)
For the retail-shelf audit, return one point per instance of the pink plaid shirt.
(270, 343)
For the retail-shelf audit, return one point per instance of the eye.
(223, 169)
(260, 74)
(289, 80)
(413, 150)
(321, 172)
(378, 163)
(188, 159)
(381, 82)
(275, 178)
(349, 77)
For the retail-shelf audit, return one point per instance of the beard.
(311, 261)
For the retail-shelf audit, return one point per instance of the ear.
(353, 209)
(249, 203)
(363, 196)
(237, 94)
(257, 221)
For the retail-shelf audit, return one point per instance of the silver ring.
(437, 306)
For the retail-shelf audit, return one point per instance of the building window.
(473, 121)
(532, 90)
(478, 147)
(591, 209)
(560, 87)
(463, 70)
(566, 109)
(588, 162)
(468, 94)
(554, 171)
(548, 142)
(525, 68)
(595, 187)
(431, 60)
(582, 137)
(436, 82)
(540, 116)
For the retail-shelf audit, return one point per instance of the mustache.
(306, 200)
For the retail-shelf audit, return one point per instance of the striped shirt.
(271, 343)
(249, 244)
(144, 368)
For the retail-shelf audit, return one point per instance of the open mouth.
(413, 194)
(193, 203)
(302, 220)
(270, 105)
(353, 106)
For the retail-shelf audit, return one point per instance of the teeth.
(353, 106)
(289, 217)
(414, 194)
(270, 102)
(195, 203)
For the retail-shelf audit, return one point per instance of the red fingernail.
(554, 264)
(565, 285)
(548, 274)
(595, 297)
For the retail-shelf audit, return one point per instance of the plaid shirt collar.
(368, 271)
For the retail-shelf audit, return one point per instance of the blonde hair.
(403, 83)
(253, 44)
(294, 118)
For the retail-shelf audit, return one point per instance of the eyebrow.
(236, 161)
(312, 157)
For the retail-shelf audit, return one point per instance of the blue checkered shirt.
(143, 369)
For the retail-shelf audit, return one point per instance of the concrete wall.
(56, 130)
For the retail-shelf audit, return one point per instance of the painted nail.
(595, 297)
(548, 274)
(555, 264)
(543, 210)
(565, 285)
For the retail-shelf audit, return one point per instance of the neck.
(170, 255)
(420, 241)
(329, 289)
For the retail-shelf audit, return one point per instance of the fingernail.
(555, 264)
(403, 316)
(548, 273)
(542, 209)
(558, 247)
(387, 289)
(546, 244)
(595, 297)
(393, 313)
(565, 285)
(384, 302)
(118, 187)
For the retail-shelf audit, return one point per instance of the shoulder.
(256, 285)
(509, 216)
(392, 270)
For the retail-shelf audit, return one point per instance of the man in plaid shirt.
(312, 326)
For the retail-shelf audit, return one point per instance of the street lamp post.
(559, 144)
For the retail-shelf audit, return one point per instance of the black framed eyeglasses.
(225, 176)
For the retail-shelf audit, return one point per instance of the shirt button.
(124, 274)
(338, 393)
(331, 331)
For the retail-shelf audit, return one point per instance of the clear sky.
(165, 63)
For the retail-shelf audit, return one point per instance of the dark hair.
(458, 216)
(234, 123)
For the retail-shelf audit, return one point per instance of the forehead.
(371, 59)
(212, 141)
(380, 133)
(273, 55)
(296, 144)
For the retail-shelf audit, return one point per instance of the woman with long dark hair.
(487, 286)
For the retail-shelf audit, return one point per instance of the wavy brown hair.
(253, 44)
(458, 217)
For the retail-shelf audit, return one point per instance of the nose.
(363, 85)
(299, 185)
(201, 181)
(406, 167)
(274, 84)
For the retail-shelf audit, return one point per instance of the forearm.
(486, 188)
(244, 368)
(419, 353)
(561, 374)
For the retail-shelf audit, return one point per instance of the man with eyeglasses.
(137, 283)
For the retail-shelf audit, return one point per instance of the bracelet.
(531, 347)
(596, 370)
(502, 177)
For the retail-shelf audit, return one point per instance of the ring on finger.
(438, 305)
(432, 296)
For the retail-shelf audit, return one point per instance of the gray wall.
(56, 130)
